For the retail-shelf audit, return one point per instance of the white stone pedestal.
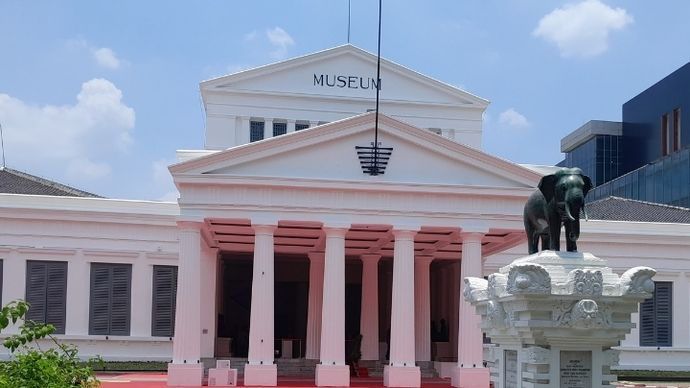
(470, 377)
(185, 375)
(332, 375)
(553, 318)
(261, 375)
(402, 376)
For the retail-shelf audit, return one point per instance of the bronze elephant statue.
(558, 202)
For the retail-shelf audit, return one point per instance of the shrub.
(32, 367)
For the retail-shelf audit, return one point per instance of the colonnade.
(410, 312)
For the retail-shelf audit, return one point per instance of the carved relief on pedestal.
(637, 281)
(475, 290)
(496, 316)
(497, 285)
(583, 314)
(536, 355)
(586, 282)
(528, 279)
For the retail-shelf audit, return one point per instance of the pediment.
(342, 72)
(327, 153)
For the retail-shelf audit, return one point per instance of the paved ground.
(158, 380)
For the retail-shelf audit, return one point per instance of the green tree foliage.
(58, 366)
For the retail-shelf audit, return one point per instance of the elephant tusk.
(567, 211)
(584, 212)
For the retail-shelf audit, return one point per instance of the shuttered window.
(656, 317)
(46, 292)
(164, 299)
(110, 305)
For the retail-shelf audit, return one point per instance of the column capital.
(334, 231)
(472, 236)
(316, 256)
(404, 234)
(264, 228)
(291, 121)
(313, 123)
(186, 225)
(370, 257)
(424, 259)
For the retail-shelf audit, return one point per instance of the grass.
(132, 366)
(652, 375)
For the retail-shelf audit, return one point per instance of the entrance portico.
(314, 202)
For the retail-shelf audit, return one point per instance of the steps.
(300, 367)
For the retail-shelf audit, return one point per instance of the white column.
(209, 269)
(316, 262)
(470, 371)
(186, 368)
(260, 369)
(77, 313)
(14, 287)
(268, 128)
(369, 317)
(313, 124)
(401, 370)
(243, 131)
(332, 370)
(291, 125)
(142, 297)
(422, 307)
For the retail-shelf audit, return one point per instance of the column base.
(185, 375)
(262, 375)
(402, 376)
(470, 378)
(332, 375)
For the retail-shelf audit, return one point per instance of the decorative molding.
(638, 281)
(586, 282)
(528, 279)
(536, 355)
(475, 289)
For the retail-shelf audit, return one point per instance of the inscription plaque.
(510, 363)
(576, 369)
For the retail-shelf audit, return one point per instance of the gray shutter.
(656, 317)
(120, 297)
(164, 300)
(46, 292)
(99, 305)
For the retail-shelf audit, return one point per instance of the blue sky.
(99, 94)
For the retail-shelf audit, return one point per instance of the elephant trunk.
(573, 204)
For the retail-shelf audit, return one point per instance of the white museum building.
(283, 246)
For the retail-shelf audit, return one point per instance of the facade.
(644, 157)
(283, 246)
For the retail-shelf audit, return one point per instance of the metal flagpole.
(348, 20)
(378, 89)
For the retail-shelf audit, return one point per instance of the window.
(656, 317)
(256, 131)
(1, 283)
(164, 300)
(676, 129)
(46, 292)
(664, 135)
(279, 129)
(436, 130)
(301, 126)
(109, 312)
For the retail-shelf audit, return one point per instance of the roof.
(623, 209)
(18, 182)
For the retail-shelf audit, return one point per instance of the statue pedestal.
(553, 317)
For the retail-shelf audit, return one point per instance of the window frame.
(48, 298)
(156, 330)
(119, 290)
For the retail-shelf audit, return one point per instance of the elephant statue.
(559, 201)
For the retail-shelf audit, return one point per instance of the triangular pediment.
(344, 71)
(327, 153)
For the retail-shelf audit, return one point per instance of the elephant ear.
(588, 185)
(547, 186)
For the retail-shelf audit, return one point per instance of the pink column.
(260, 369)
(316, 261)
(422, 304)
(332, 371)
(369, 317)
(209, 271)
(402, 371)
(470, 372)
(186, 369)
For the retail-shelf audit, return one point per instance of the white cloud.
(281, 40)
(68, 139)
(582, 29)
(513, 118)
(163, 180)
(106, 57)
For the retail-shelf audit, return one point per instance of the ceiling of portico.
(300, 238)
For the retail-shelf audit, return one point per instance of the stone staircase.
(301, 367)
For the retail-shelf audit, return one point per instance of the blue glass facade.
(598, 157)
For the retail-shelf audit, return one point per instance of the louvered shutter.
(99, 309)
(164, 300)
(120, 299)
(46, 292)
(656, 317)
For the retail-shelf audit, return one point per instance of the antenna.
(348, 20)
(2, 143)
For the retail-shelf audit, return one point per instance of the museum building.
(284, 245)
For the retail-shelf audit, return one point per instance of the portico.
(303, 196)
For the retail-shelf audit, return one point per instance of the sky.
(100, 94)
